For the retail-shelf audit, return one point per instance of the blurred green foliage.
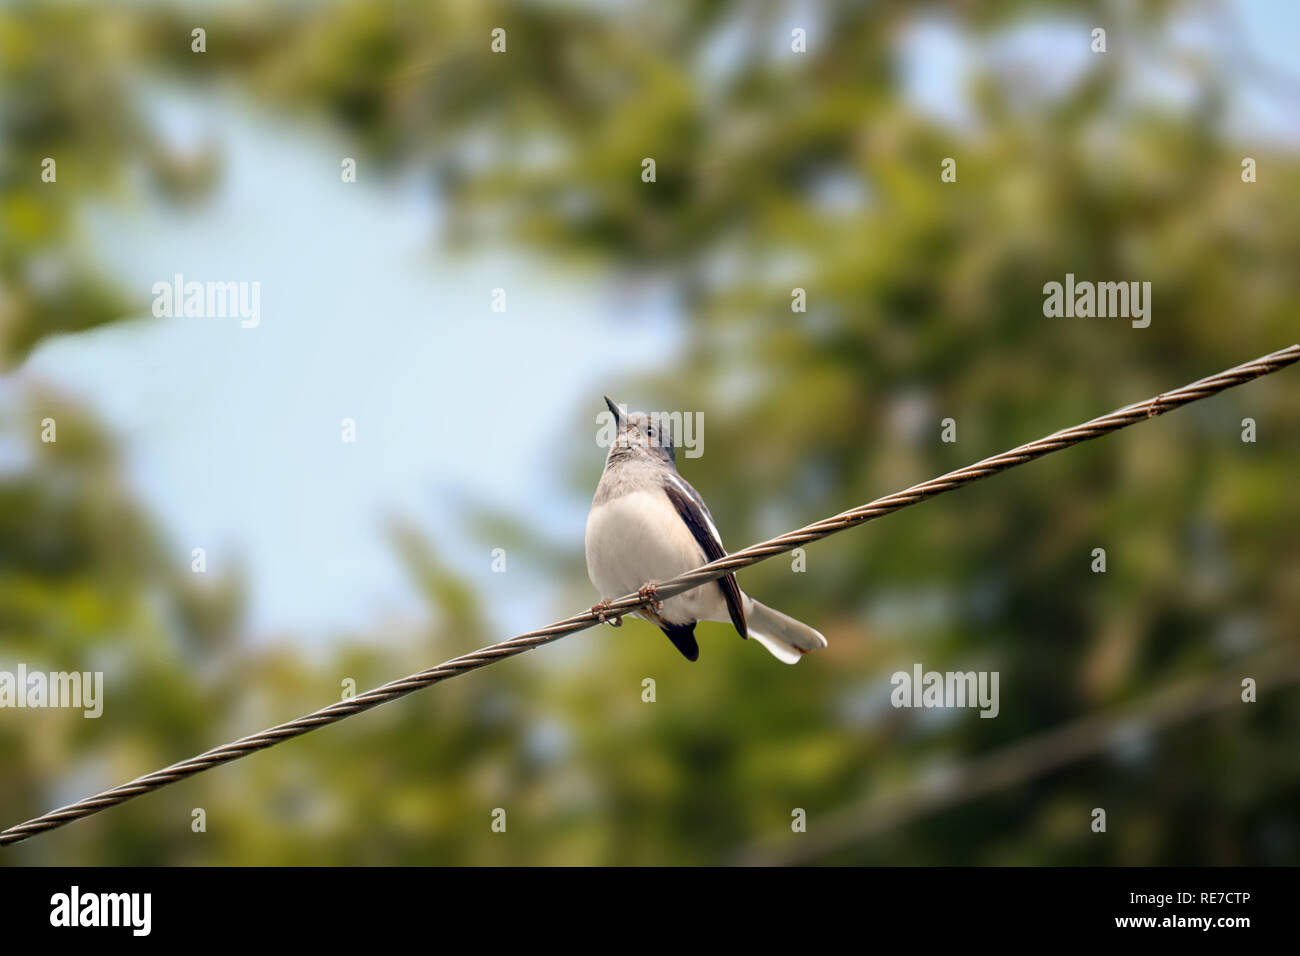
(925, 302)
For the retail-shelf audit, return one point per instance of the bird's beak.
(618, 415)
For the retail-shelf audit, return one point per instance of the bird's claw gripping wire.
(650, 593)
(601, 611)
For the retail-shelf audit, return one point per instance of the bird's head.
(641, 435)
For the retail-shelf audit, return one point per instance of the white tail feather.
(787, 639)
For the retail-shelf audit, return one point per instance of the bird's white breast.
(640, 537)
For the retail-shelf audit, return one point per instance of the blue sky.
(232, 435)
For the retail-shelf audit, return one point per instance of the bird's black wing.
(692, 509)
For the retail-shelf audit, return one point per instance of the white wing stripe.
(693, 497)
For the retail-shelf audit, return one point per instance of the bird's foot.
(650, 593)
(602, 609)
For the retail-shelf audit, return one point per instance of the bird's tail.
(786, 638)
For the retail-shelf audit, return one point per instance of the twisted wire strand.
(1120, 418)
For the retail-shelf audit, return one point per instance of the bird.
(647, 524)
